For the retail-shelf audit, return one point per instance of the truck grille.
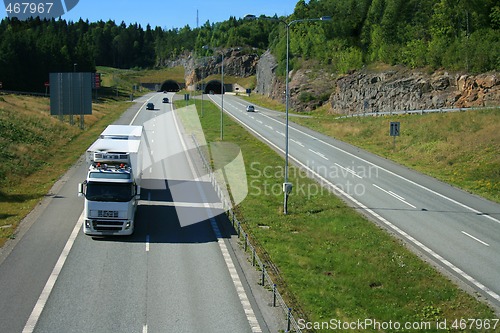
(107, 225)
(107, 213)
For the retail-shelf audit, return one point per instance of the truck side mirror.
(80, 190)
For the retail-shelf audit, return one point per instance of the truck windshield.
(109, 192)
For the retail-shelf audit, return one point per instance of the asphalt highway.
(174, 274)
(455, 230)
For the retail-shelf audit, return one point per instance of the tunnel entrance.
(213, 87)
(170, 85)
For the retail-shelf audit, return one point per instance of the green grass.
(459, 148)
(332, 262)
(36, 149)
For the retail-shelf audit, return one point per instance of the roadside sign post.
(394, 131)
(71, 94)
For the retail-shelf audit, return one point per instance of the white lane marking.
(297, 142)
(388, 171)
(249, 313)
(399, 231)
(349, 170)
(145, 328)
(44, 296)
(475, 238)
(280, 133)
(259, 121)
(247, 307)
(397, 196)
(394, 195)
(147, 243)
(270, 127)
(140, 109)
(319, 154)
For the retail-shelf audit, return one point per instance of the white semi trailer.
(112, 187)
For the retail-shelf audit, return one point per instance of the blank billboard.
(70, 94)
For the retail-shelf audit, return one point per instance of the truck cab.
(112, 185)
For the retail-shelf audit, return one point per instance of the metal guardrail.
(27, 93)
(257, 262)
(420, 112)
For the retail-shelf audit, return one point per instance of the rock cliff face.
(308, 88)
(236, 63)
(267, 82)
(392, 89)
(399, 89)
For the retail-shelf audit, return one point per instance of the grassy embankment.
(335, 263)
(36, 149)
(460, 148)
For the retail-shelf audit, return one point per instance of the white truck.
(112, 187)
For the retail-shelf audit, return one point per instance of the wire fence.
(265, 279)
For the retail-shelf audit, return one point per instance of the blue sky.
(170, 14)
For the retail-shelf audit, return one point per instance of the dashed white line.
(386, 170)
(147, 243)
(394, 195)
(475, 238)
(259, 121)
(297, 142)
(319, 154)
(280, 133)
(349, 170)
(270, 127)
(397, 196)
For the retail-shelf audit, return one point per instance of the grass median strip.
(336, 265)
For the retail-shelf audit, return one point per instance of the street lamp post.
(206, 47)
(287, 186)
(203, 83)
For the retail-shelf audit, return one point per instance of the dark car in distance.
(150, 106)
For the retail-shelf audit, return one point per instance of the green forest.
(457, 35)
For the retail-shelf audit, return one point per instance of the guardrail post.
(253, 257)
(274, 295)
(263, 275)
(246, 242)
(289, 319)
(239, 228)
